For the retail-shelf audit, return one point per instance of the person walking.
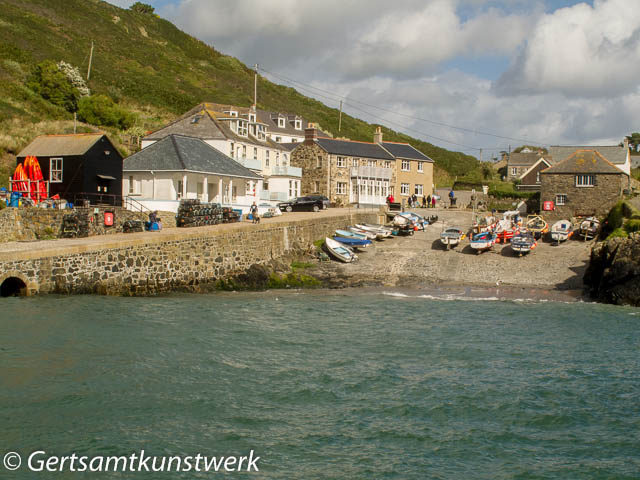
(254, 213)
(428, 202)
(433, 201)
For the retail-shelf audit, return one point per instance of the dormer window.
(280, 122)
(261, 133)
(298, 124)
(252, 117)
(231, 113)
(242, 128)
(234, 125)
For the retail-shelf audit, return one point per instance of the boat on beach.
(353, 242)
(561, 231)
(367, 234)
(350, 234)
(537, 226)
(523, 242)
(339, 251)
(483, 241)
(508, 226)
(451, 237)
(589, 228)
(385, 233)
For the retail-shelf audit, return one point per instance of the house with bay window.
(238, 133)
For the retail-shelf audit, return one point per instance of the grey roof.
(291, 146)
(354, 149)
(182, 153)
(614, 153)
(61, 145)
(520, 159)
(584, 161)
(404, 150)
(271, 120)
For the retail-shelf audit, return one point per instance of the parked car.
(325, 201)
(301, 204)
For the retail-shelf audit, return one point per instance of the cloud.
(580, 51)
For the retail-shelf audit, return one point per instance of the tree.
(634, 141)
(48, 81)
(140, 7)
(101, 110)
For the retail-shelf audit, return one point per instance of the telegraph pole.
(255, 86)
(90, 58)
(340, 118)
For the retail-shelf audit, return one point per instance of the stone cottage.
(583, 184)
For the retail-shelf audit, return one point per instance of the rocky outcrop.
(613, 275)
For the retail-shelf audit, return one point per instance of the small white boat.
(339, 251)
(523, 242)
(561, 231)
(378, 231)
(483, 241)
(366, 233)
(451, 237)
(589, 228)
(349, 233)
(401, 220)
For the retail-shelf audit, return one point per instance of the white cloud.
(580, 50)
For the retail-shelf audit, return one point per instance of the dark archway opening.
(13, 287)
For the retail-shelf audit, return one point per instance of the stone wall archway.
(14, 284)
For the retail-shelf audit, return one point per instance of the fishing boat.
(339, 251)
(368, 235)
(561, 231)
(385, 233)
(508, 226)
(484, 224)
(483, 241)
(537, 226)
(418, 220)
(352, 242)
(589, 228)
(451, 237)
(523, 242)
(350, 234)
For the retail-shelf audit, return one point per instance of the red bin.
(108, 219)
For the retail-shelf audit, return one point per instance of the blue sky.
(516, 71)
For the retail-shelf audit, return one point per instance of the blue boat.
(350, 234)
(352, 242)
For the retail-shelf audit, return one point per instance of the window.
(261, 132)
(132, 185)
(242, 128)
(279, 139)
(371, 163)
(244, 152)
(317, 185)
(284, 159)
(277, 159)
(561, 199)
(585, 180)
(266, 158)
(355, 162)
(341, 188)
(252, 117)
(418, 189)
(298, 125)
(231, 150)
(265, 185)
(179, 190)
(404, 189)
(341, 162)
(319, 161)
(537, 177)
(420, 167)
(55, 170)
(392, 190)
(200, 190)
(255, 153)
(294, 140)
(280, 122)
(514, 171)
(406, 166)
(387, 164)
(292, 188)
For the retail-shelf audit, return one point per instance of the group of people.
(428, 201)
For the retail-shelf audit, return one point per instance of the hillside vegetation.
(149, 68)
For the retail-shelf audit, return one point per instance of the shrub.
(101, 110)
(48, 81)
(140, 7)
(617, 233)
(631, 226)
(615, 217)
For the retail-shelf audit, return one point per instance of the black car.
(325, 200)
(302, 204)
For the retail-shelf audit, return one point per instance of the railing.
(88, 199)
(250, 163)
(277, 196)
(287, 171)
(371, 172)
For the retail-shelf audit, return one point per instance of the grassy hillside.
(149, 67)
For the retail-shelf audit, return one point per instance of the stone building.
(520, 162)
(531, 179)
(583, 184)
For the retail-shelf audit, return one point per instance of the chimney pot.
(377, 137)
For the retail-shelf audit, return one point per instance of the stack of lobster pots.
(194, 213)
(75, 225)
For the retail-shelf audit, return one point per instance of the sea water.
(321, 385)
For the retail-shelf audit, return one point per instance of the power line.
(468, 130)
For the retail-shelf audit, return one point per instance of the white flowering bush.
(74, 76)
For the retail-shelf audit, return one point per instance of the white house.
(238, 133)
(180, 166)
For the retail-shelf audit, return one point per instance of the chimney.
(626, 143)
(377, 137)
(310, 135)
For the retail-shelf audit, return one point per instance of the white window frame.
(404, 189)
(255, 153)
(585, 180)
(319, 161)
(514, 170)
(355, 162)
(418, 189)
(55, 170)
(561, 198)
(341, 188)
(132, 185)
(244, 152)
(538, 177)
(298, 125)
(280, 122)
(252, 117)
(406, 166)
(420, 168)
(387, 164)
(266, 158)
(341, 162)
(232, 149)
(277, 159)
(242, 128)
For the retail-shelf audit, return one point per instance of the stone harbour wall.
(148, 263)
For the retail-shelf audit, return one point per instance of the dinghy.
(523, 242)
(483, 241)
(451, 237)
(353, 242)
(589, 228)
(561, 231)
(339, 251)
(537, 225)
(378, 231)
(369, 235)
(350, 234)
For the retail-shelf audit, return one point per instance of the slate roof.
(406, 151)
(271, 120)
(583, 161)
(527, 159)
(291, 146)
(614, 153)
(182, 153)
(350, 148)
(61, 145)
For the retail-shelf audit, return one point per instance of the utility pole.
(90, 59)
(75, 119)
(255, 86)
(340, 118)
(480, 155)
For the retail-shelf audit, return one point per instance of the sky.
(465, 75)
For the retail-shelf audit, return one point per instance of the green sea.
(357, 384)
